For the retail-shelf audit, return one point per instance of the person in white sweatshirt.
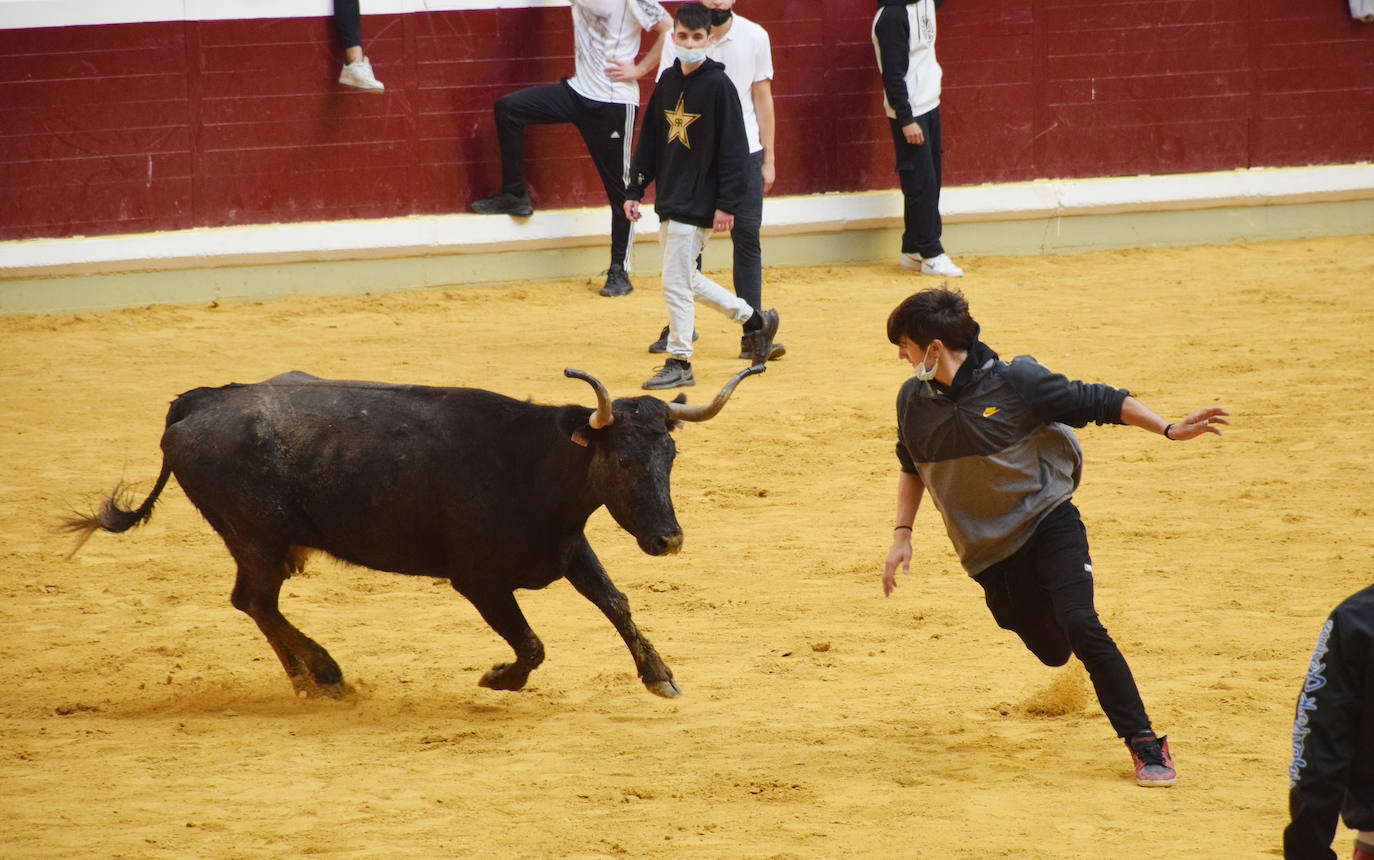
(904, 39)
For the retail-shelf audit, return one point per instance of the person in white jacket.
(904, 39)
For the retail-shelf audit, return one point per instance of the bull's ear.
(673, 423)
(572, 422)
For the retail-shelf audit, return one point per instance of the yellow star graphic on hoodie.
(678, 120)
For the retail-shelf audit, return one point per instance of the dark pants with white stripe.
(919, 172)
(606, 128)
(1043, 593)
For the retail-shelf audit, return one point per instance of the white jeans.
(683, 285)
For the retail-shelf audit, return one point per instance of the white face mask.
(924, 374)
(688, 56)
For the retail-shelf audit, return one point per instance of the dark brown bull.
(490, 493)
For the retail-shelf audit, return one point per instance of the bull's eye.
(624, 462)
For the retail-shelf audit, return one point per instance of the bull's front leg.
(500, 610)
(589, 577)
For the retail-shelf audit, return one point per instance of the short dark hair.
(935, 313)
(693, 16)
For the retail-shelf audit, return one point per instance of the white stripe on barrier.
(421, 235)
(32, 14)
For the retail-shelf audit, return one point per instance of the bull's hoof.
(503, 676)
(310, 689)
(667, 689)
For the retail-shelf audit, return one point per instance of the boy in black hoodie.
(693, 143)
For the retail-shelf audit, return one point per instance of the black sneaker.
(675, 373)
(759, 344)
(502, 203)
(777, 352)
(617, 282)
(660, 346)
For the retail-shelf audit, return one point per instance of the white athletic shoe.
(940, 265)
(359, 74)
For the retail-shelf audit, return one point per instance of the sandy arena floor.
(144, 717)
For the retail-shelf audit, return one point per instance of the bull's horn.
(602, 417)
(707, 411)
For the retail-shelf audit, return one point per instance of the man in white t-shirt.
(747, 53)
(600, 99)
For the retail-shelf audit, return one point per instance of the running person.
(600, 99)
(991, 442)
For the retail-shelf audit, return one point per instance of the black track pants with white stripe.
(606, 128)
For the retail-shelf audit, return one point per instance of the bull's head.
(633, 455)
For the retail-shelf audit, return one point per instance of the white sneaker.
(939, 265)
(359, 74)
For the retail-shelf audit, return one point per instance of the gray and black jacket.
(994, 448)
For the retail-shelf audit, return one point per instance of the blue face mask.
(924, 374)
(688, 56)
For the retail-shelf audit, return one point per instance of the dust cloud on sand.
(144, 717)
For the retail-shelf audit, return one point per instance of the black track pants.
(606, 128)
(1044, 593)
(919, 172)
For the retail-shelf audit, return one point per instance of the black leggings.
(1044, 593)
(606, 128)
(348, 22)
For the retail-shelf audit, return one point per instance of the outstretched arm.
(1137, 414)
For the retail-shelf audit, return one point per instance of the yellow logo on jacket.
(990, 411)
(678, 120)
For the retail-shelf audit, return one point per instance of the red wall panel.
(132, 127)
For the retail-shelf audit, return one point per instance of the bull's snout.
(663, 544)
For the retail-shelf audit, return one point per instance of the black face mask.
(720, 16)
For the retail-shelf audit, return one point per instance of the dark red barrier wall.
(137, 127)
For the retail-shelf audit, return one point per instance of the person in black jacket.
(991, 442)
(693, 144)
(1333, 737)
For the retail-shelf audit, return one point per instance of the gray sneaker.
(777, 352)
(502, 203)
(617, 282)
(760, 343)
(675, 373)
(660, 346)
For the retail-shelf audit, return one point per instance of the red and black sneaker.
(1153, 764)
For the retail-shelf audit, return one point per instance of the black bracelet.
(1167, 428)
(908, 528)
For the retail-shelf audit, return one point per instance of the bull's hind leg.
(589, 578)
(256, 592)
(500, 610)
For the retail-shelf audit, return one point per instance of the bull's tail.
(114, 514)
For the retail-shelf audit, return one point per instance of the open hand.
(1201, 421)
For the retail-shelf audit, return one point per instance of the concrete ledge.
(1044, 216)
